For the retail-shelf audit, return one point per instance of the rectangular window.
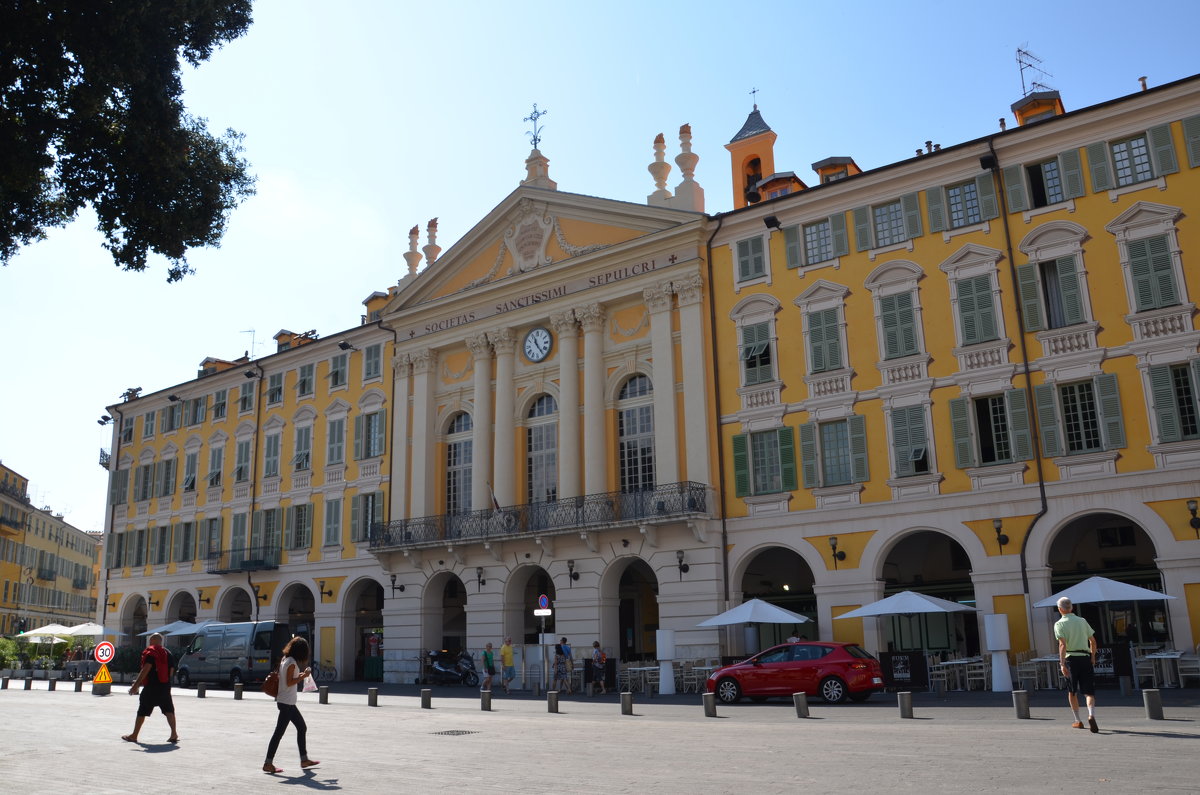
(910, 445)
(237, 540)
(751, 261)
(818, 242)
(119, 490)
(216, 462)
(148, 420)
(976, 312)
(166, 477)
(372, 361)
(1046, 183)
(333, 522)
(274, 389)
(271, 455)
(756, 354)
(824, 341)
(963, 203)
(898, 320)
(304, 381)
(172, 417)
(765, 470)
(888, 222)
(127, 430)
(246, 394)
(1050, 294)
(143, 482)
(1081, 421)
(212, 541)
(337, 370)
(991, 423)
(299, 526)
(190, 464)
(366, 510)
(302, 459)
(1152, 273)
(241, 463)
(197, 408)
(185, 541)
(162, 545)
(335, 452)
(1131, 159)
(368, 435)
(1175, 390)
(835, 453)
(219, 404)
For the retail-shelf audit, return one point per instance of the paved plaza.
(51, 742)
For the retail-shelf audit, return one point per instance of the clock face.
(537, 344)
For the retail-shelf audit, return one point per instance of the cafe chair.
(1145, 669)
(1189, 668)
(1029, 671)
(939, 678)
(979, 673)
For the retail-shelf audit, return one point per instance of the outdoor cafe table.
(1161, 660)
(957, 669)
(640, 679)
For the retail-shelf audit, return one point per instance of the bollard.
(1126, 685)
(101, 689)
(710, 705)
(485, 700)
(552, 701)
(201, 689)
(323, 694)
(1021, 704)
(1153, 701)
(53, 684)
(372, 696)
(627, 703)
(29, 683)
(801, 702)
(426, 698)
(536, 687)
(904, 700)
(78, 685)
(238, 687)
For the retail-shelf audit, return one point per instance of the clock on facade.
(537, 344)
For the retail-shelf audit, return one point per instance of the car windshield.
(860, 652)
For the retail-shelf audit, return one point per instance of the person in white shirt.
(295, 654)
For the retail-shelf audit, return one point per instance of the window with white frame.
(910, 441)
(991, 429)
(237, 539)
(241, 463)
(1050, 293)
(185, 542)
(196, 410)
(191, 461)
(216, 463)
(303, 456)
(834, 453)
(304, 380)
(171, 417)
(213, 535)
(541, 451)
(751, 259)
(274, 389)
(271, 445)
(143, 482)
(335, 448)
(266, 532)
(148, 421)
(298, 529)
(1151, 260)
(458, 464)
(976, 309)
(1080, 417)
(635, 434)
(1133, 159)
(823, 328)
(1044, 182)
(333, 522)
(162, 545)
(755, 352)
(219, 404)
(820, 241)
(372, 361)
(764, 462)
(369, 434)
(898, 324)
(127, 430)
(1175, 397)
(1151, 270)
(246, 397)
(366, 511)
(887, 224)
(337, 370)
(119, 489)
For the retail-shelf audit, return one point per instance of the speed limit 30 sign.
(104, 652)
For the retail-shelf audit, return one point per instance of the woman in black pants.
(295, 654)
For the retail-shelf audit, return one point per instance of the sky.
(364, 118)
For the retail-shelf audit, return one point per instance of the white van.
(235, 653)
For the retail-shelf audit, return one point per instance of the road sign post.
(102, 681)
(543, 610)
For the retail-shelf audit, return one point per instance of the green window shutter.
(1070, 166)
(1031, 299)
(837, 235)
(985, 188)
(910, 203)
(757, 261)
(1019, 429)
(1191, 140)
(907, 319)
(1097, 155)
(975, 309)
(787, 459)
(177, 543)
(935, 204)
(890, 319)
(808, 455)
(1068, 285)
(1108, 400)
(863, 234)
(358, 437)
(825, 346)
(1162, 149)
(308, 525)
(289, 533)
(1047, 415)
(1014, 189)
(857, 425)
(1139, 271)
(379, 434)
(1165, 408)
(743, 259)
(960, 432)
(256, 530)
(902, 441)
(355, 513)
(791, 246)
(741, 464)
(1161, 272)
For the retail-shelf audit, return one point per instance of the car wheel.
(472, 680)
(729, 691)
(833, 690)
(863, 696)
(184, 679)
(235, 677)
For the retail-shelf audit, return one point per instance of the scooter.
(444, 669)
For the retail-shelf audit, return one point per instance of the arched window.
(541, 451)
(635, 434)
(458, 464)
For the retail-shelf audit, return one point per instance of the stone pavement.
(67, 741)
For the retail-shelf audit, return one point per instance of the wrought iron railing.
(224, 561)
(666, 502)
(12, 491)
(46, 573)
(105, 457)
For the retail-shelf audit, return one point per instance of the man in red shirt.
(157, 670)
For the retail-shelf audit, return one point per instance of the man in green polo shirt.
(1077, 656)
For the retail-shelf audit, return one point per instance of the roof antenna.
(1027, 61)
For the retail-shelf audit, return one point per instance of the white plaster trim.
(766, 504)
(983, 226)
(832, 496)
(1088, 465)
(1068, 205)
(916, 486)
(1116, 193)
(998, 476)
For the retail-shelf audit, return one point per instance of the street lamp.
(838, 554)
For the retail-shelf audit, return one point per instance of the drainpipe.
(258, 401)
(1037, 440)
(716, 370)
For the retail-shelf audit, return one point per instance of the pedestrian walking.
(154, 680)
(508, 671)
(489, 668)
(1077, 658)
(599, 663)
(561, 678)
(295, 654)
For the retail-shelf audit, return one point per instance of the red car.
(835, 671)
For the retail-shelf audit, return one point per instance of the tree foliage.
(91, 113)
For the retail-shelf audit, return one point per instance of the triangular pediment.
(820, 293)
(1144, 214)
(533, 229)
(971, 254)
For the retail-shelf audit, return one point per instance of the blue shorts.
(510, 672)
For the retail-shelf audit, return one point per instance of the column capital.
(688, 288)
(504, 340)
(400, 365)
(591, 317)
(423, 361)
(479, 346)
(564, 323)
(657, 297)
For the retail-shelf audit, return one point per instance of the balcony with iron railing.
(79, 583)
(44, 573)
(11, 490)
(228, 561)
(105, 457)
(668, 502)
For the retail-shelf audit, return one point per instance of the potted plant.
(127, 661)
(8, 653)
(42, 666)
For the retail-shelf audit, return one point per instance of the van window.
(262, 640)
(197, 644)
(233, 641)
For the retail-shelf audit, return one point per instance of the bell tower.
(752, 157)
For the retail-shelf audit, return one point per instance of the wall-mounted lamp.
(173, 398)
(112, 605)
(479, 581)
(259, 594)
(1195, 522)
(683, 567)
(572, 575)
(104, 420)
(329, 593)
(250, 374)
(838, 554)
(624, 542)
(200, 598)
(1001, 538)
(150, 600)
(772, 222)
(396, 587)
(346, 346)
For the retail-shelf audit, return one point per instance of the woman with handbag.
(295, 654)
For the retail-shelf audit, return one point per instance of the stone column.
(400, 449)
(424, 435)
(595, 439)
(481, 437)
(505, 486)
(696, 361)
(662, 349)
(567, 332)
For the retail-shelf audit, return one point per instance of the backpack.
(603, 657)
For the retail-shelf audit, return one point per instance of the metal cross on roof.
(536, 133)
(754, 93)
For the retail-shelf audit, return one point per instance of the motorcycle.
(446, 669)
